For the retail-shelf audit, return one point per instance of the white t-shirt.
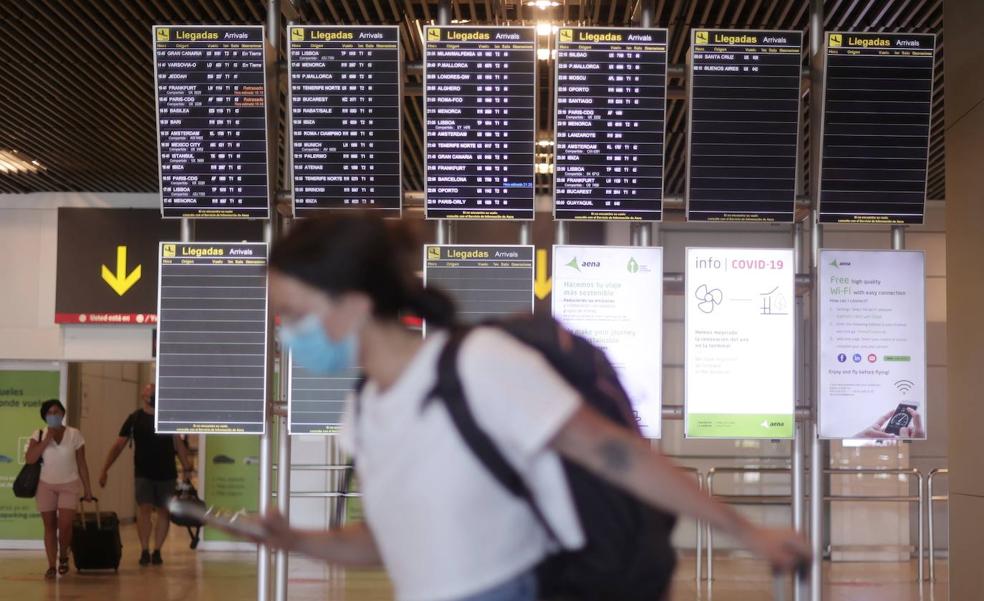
(444, 526)
(60, 466)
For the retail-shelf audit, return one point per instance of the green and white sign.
(21, 395)
(232, 476)
(872, 367)
(613, 296)
(740, 343)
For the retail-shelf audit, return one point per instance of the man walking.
(155, 471)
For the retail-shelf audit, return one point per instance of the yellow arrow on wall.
(543, 284)
(120, 282)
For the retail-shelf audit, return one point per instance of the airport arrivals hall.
(491, 300)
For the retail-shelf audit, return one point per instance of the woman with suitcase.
(64, 478)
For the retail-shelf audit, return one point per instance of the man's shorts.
(51, 497)
(154, 492)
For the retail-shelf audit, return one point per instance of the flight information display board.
(611, 105)
(744, 125)
(345, 103)
(211, 342)
(211, 121)
(878, 96)
(315, 402)
(480, 105)
(484, 281)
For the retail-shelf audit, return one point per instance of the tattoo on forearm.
(615, 455)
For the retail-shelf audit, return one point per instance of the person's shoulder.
(491, 339)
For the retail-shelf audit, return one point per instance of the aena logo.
(577, 265)
(836, 263)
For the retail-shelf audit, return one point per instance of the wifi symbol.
(904, 386)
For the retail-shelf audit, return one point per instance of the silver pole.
(270, 233)
(283, 497)
(898, 237)
(443, 232)
(187, 230)
(444, 12)
(710, 535)
(526, 232)
(645, 234)
(561, 232)
(798, 492)
(445, 228)
(699, 544)
(922, 512)
(817, 445)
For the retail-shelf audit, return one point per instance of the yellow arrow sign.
(120, 282)
(543, 284)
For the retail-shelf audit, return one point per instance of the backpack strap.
(451, 393)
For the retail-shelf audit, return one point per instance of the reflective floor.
(205, 576)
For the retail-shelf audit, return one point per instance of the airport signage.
(480, 122)
(740, 343)
(744, 124)
(212, 338)
(872, 349)
(877, 105)
(345, 105)
(613, 296)
(210, 91)
(610, 99)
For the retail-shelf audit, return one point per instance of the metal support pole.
(898, 237)
(270, 233)
(444, 12)
(816, 242)
(187, 230)
(919, 521)
(699, 540)
(445, 228)
(526, 233)
(799, 429)
(646, 19)
(283, 498)
(562, 232)
(931, 498)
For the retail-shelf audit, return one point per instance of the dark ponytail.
(356, 252)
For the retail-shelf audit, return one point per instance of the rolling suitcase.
(96, 543)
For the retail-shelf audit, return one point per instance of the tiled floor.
(206, 576)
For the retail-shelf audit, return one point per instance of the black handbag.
(26, 483)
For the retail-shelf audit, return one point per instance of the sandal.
(63, 565)
(50, 574)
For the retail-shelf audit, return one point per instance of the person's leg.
(145, 507)
(519, 588)
(50, 521)
(163, 491)
(65, 519)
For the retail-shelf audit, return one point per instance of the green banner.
(744, 425)
(232, 476)
(21, 395)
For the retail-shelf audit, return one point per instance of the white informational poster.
(872, 344)
(740, 343)
(613, 296)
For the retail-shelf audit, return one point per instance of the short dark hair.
(47, 405)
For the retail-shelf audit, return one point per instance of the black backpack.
(628, 555)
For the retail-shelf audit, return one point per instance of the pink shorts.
(58, 496)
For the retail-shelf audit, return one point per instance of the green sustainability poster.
(232, 476)
(21, 395)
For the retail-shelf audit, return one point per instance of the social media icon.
(841, 358)
(872, 358)
(857, 357)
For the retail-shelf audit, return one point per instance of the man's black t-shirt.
(154, 454)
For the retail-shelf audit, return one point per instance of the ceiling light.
(542, 4)
(12, 161)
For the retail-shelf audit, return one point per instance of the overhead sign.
(106, 271)
(613, 296)
(345, 104)
(744, 125)
(878, 95)
(211, 120)
(485, 281)
(480, 108)
(316, 403)
(211, 342)
(872, 344)
(610, 98)
(740, 343)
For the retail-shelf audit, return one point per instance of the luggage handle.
(82, 512)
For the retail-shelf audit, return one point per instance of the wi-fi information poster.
(872, 344)
(740, 343)
(613, 296)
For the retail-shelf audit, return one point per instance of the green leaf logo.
(573, 264)
(633, 266)
(834, 263)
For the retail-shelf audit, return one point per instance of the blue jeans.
(520, 588)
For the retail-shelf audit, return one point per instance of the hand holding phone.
(901, 419)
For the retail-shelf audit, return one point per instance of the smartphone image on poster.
(900, 419)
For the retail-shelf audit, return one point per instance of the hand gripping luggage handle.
(82, 512)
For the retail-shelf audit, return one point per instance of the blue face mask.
(54, 421)
(315, 350)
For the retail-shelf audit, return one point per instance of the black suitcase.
(96, 543)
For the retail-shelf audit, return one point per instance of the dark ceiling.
(76, 76)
